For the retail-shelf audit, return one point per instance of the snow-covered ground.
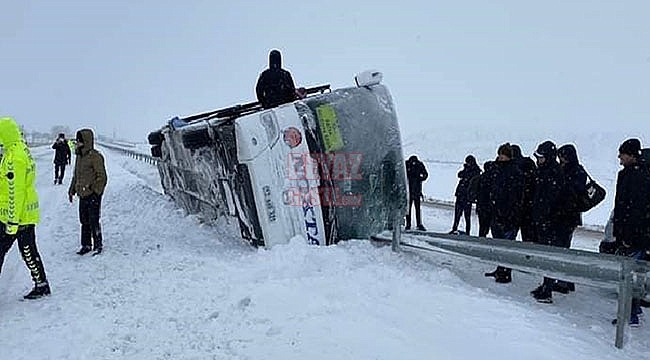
(168, 287)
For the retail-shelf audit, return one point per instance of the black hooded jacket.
(275, 85)
(547, 198)
(575, 178)
(470, 170)
(416, 174)
(632, 207)
(485, 182)
(62, 155)
(507, 194)
(528, 167)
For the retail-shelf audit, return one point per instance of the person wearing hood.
(575, 178)
(528, 167)
(463, 204)
(547, 208)
(416, 173)
(575, 184)
(19, 211)
(88, 182)
(632, 209)
(62, 157)
(275, 85)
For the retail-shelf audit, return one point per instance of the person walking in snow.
(88, 182)
(463, 202)
(416, 174)
(19, 211)
(62, 157)
(632, 209)
(275, 85)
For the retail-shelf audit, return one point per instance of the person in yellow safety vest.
(19, 212)
(71, 145)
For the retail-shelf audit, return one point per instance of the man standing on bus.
(275, 85)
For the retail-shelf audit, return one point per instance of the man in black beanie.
(632, 209)
(631, 147)
(547, 208)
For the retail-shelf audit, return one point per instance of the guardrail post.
(624, 302)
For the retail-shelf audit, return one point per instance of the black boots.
(502, 275)
(84, 250)
(38, 291)
(420, 227)
(563, 287)
(544, 293)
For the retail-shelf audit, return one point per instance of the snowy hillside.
(169, 288)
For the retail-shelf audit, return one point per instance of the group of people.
(19, 205)
(541, 199)
(544, 201)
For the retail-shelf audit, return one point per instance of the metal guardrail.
(448, 204)
(584, 267)
(132, 153)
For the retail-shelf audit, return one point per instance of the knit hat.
(631, 147)
(470, 159)
(546, 150)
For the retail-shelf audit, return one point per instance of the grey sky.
(131, 65)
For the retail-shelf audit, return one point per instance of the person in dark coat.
(528, 167)
(62, 157)
(547, 208)
(88, 183)
(463, 204)
(416, 173)
(507, 198)
(575, 178)
(632, 209)
(275, 85)
(483, 203)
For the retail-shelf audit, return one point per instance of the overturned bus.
(327, 167)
